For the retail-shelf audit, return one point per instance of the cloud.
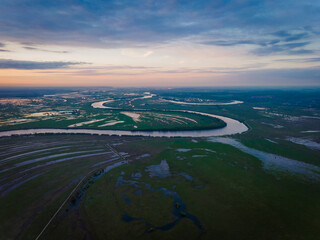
(281, 42)
(285, 76)
(289, 37)
(143, 70)
(136, 53)
(147, 53)
(127, 23)
(284, 48)
(300, 60)
(29, 65)
(3, 50)
(246, 75)
(230, 42)
(44, 50)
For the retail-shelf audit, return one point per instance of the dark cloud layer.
(28, 65)
(297, 76)
(286, 48)
(44, 50)
(270, 25)
(301, 60)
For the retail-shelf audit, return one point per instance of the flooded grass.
(255, 185)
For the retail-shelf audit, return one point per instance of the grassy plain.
(230, 193)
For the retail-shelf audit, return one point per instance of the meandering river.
(232, 127)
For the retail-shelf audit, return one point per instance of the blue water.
(19, 184)
(160, 170)
(179, 208)
(87, 184)
(186, 176)
(103, 162)
(62, 160)
(125, 198)
(275, 162)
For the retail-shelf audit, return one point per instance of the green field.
(118, 120)
(261, 184)
(230, 194)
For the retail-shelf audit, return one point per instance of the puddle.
(273, 125)
(209, 150)
(259, 108)
(161, 170)
(306, 142)
(186, 176)
(121, 181)
(136, 175)
(183, 150)
(127, 218)
(143, 156)
(311, 131)
(269, 140)
(124, 197)
(138, 192)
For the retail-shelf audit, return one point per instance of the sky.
(146, 43)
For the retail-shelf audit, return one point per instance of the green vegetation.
(230, 193)
(237, 198)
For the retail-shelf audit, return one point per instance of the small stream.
(75, 201)
(179, 208)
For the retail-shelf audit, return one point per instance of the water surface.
(274, 162)
(232, 127)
